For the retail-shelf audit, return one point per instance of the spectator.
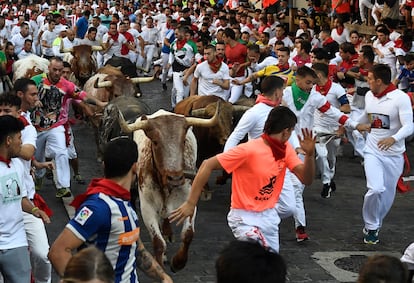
(87, 265)
(246, 262)
(384, 269)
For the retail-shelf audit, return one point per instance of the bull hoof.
(177, 264)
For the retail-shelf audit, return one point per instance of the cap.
(63, 28)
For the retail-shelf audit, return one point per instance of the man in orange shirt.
(258, 168)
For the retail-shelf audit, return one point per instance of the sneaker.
(78, 179)
(164, 86)
(333, 186)
(63, 193)
(370, 236)
(326, 191)
(301, 234)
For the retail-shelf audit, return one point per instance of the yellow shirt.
(274, 70)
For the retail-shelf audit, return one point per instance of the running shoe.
(301, 234)
(326, 191)
(370, 236)
(63, 193)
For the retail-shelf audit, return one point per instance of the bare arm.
(28, 207)
(187, 208)
(61, 250)
(193, 87)
(27, 151)
(149, 265)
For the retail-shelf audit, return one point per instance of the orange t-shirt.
(257, 178)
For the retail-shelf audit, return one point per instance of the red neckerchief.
(278, 148)
(339, 30)
(24, 121)
(181, 43)
(4, 160)
(328, 41)
(390, 87)
(215, 65)
(280, 38)
(383, 44)
(114, 36)
(363, 72)
(101, 185)
(283, 67)
(264, 99)
(129, 38)
(325, 88)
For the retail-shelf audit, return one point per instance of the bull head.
(191, 121)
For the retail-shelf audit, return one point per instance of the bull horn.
(200, 122)
(142, 80)
(66, 50)
(241, 108)
(198, 112)
(103, 84)
(97, 48)
(129, 128)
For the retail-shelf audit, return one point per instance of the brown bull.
(167, 148)
(210, 140)
(82, 61)
(107, 84)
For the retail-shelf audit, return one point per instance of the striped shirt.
(112, 226)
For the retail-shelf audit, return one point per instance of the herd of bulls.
(170, 145)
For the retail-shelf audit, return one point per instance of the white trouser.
(375, 8)
(362, 5)
(39, 248)
(71, 147)
(132, 56)
(164, 57)
(149, 54)
(99, 60)
(236, 90)
(299, 216)
(326, 159)
(180, 91)
(382, 173)
(53, 142)
(261, 227)
(286, 205)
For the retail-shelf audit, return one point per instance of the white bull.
(167, 148)
(30, 66)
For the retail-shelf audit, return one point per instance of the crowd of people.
(312, 87)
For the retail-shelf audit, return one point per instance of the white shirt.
(390, 116)
(306, 114)
(206, 76)
(18, 42)
(116, 47)
(324, 123)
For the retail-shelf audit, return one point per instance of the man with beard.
(211, 76)
(50, 118)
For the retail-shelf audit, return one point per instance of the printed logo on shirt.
(10, 188)
(379, 121)
(83, 215)
(128, 238)
(267, 190)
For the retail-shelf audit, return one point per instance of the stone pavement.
(334, 252)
